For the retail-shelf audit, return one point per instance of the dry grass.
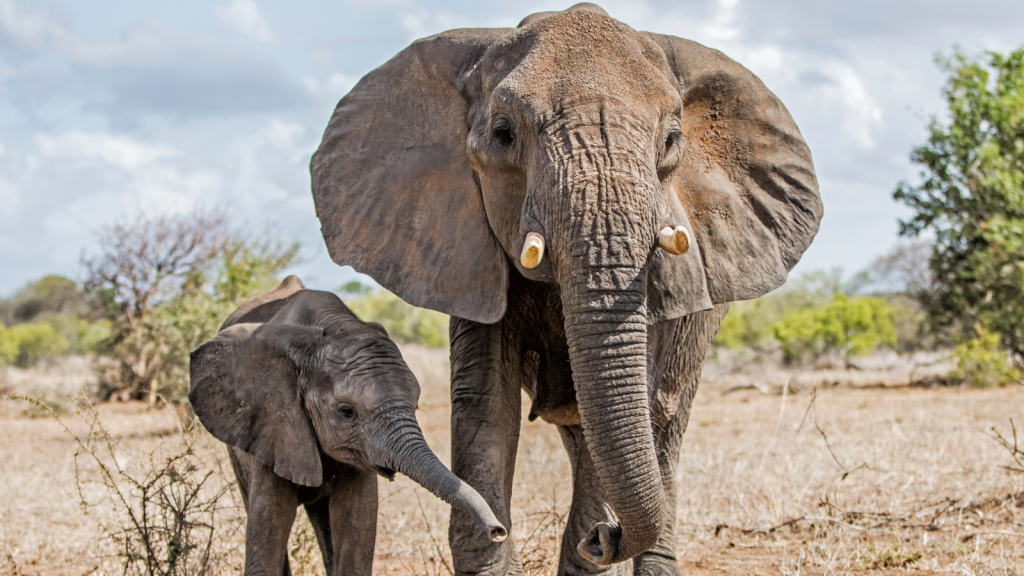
(830, 480)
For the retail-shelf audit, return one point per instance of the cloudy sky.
(112, 107)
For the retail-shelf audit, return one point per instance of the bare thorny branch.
(438, 548)
(1013, 448)
(165, 523)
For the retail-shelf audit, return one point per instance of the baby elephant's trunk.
(401, 447)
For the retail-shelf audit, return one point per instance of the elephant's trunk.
(607, 337)
(401, 447)
(603, 222)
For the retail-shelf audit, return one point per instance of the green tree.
(355, 289)
(48, 295)
(971, 197)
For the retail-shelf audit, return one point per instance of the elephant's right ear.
(244, 389)
(746, 180)
(393, 187)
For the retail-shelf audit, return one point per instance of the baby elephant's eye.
(346, 411)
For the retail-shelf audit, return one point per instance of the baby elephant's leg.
(270, 503)
(353, 532)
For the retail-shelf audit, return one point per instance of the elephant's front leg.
(270, 505)
(353, 521)
(485, 435)
(661, 559)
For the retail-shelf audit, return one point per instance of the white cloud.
(8, 197)
(244, 16)
(30, 27)
(270, 165)
(145, 70)
(331, 88)
(862, 112)
(118, 151)
(419, 22)
(74, 183)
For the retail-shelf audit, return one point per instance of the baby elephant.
(314, 404)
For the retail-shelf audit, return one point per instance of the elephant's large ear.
(245, 391)
(746, 179)
(393, 187)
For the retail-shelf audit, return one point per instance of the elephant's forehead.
(580, 56)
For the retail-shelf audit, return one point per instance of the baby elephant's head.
(315, 379)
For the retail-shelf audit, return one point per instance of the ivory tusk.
(675, 241)
(533, 250)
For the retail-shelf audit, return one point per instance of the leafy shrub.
(981, 362)
(36, 342)
(45, 320)
(404, 322)
(847, 326)
(81, 335)
(910, 322)
(749, 324)
(8, 346)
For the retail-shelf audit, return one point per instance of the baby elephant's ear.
(245, 392)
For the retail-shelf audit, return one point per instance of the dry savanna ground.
(823, 472)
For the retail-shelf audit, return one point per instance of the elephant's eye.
(346, 411)
(502, 132)
(671, 140)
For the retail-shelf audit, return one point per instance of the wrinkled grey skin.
(314, 404)
(435, 167)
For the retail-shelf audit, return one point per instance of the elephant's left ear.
(393, 187)
(746, 180)
(244, 390)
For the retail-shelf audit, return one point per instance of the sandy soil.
(841, 477)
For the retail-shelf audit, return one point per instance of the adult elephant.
(584, 200)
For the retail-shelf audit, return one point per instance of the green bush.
(751, 324)
(981, 362)
(404, 322)
(36, 342)
(8, 346)
(847, 326)
(81, 335)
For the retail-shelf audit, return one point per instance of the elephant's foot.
(567, 567)
(504, 567)
(474, 558)
(653, 564)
